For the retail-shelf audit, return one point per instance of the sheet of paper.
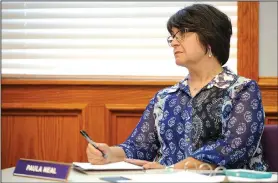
(181, 176)
(111, 166)
(186, 176)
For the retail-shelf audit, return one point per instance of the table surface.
(151, 175)
(75, 176)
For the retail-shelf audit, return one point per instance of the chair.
(270, 146)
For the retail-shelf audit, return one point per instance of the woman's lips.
(177, 52)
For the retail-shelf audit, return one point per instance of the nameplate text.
(42, 169)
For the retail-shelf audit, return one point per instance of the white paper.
(187, 176)
(181, 176)
(122, 165)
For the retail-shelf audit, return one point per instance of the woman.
(212, 116)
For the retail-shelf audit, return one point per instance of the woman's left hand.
(145, 164)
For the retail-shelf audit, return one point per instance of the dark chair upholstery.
(270, 146)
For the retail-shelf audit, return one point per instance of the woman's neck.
(203, 72)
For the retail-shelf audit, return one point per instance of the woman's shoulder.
(237, 81)
(243, 85)
(169, 89)
(244, 82)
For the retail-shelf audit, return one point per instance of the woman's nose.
(175, 42)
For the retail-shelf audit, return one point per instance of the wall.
(41, 119)
(268, 39)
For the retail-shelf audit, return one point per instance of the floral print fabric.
(222, 124)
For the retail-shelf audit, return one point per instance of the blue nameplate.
(42, 169)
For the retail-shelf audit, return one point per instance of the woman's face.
(187, 48)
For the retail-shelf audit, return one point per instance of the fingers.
(153, 165)
(102, 147)
(97, 161)
(92, 151)
(136, 161)
(95, 156)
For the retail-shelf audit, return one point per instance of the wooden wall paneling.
(92, 81)
(94, 126)
(107, 118)
(40, 131)
(91, 94)
(121, 119)
(271, 120)
(248, 39)
(269, 90)
(62, 99)
(271, 113)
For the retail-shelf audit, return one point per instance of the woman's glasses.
(171, 38)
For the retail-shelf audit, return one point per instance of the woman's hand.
(95, 156)
(192, 163)
(145, 164)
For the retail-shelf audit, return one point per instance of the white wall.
(268, 39)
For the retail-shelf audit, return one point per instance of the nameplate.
(42, 169)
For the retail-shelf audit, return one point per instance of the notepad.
(118, 166)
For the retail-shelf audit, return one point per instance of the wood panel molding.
(46, 109)
(125, 107)
(39, 109)
(271, 113)
(265, 82)
(115, 115)
(269, 83)
(44, 106)
(94, 80)
(271, 110)
(248, 40)
(269, 90)
(51, 132)
(272, 120)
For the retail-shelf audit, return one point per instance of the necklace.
(194, 89)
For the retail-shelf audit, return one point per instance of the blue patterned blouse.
(222, 124)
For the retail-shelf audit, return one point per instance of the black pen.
(92, 142)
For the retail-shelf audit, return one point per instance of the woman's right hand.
(95, 156)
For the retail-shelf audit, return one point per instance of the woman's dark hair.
(212, 26)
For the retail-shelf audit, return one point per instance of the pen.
(91, 142)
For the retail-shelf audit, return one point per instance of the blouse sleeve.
(241, 132)
(143, 142)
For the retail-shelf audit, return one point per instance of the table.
(150, 176)
(75, 176)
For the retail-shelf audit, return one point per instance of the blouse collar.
(222, 80)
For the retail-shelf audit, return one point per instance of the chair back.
(270, 146)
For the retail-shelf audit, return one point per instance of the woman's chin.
(180, 63)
